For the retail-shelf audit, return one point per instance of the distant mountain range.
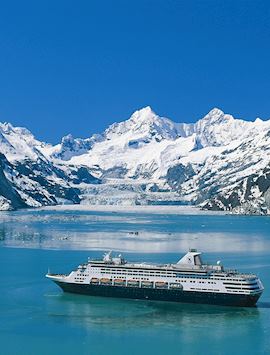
(218, 163)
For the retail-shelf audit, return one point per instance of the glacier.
(217, 163)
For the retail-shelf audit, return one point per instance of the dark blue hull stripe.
(161, 294)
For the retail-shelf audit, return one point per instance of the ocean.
(38, 318)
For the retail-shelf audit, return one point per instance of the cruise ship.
(188, 280)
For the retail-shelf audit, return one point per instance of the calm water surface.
(37, 318)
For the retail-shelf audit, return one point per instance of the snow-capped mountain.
(145, 126)
(219, 162)
(29, 178)
(70, 147)
(17, 143)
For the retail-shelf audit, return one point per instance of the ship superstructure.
(189, 280)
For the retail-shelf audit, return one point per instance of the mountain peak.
(146, 109)
(215, 111)
(215, 115)
(258, 121)
(67, 139)
(6, 127)
(144, 114)
(144, 124)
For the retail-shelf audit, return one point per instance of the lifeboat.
(147, 284)
(133, 283)
(161, 285)
(105, 281)
(94, 281)
(119, 282)
(177, 286)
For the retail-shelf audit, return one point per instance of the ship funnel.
(107, 258)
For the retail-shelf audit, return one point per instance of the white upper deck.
(190, 262)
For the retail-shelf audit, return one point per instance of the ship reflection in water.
(96, 312)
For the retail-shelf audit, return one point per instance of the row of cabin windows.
(204, 282)
(160, 273)
(143, 274)
(156, 273)
(239, 291)
(122, 272)
(180, 280)
(203, 289)
(136, 273)
(133, 278)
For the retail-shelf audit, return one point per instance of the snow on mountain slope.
(151, 159)
(236, 175)
(70, 147)
(218, 162)
(242, 173)
(149, 143)
(211, 158)
(140, 144)
(35, 183)
(145, 126)
(219, 129)
(17, 143)
(28, 178)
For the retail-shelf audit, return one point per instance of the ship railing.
(247, 275)
(188, 267)
(236, 274)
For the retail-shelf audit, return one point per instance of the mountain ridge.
(218, 162)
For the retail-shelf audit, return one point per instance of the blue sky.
(77, 66)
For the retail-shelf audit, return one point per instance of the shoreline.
(183, 210)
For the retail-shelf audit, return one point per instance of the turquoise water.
(37, 318)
